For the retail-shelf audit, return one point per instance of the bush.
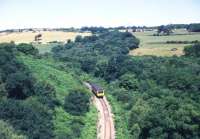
(27, 49)
(76, 126)
(30, 117)
(129, 82)
(193, 51)
(19, 85)
(78, 38)
(46, 94)
(15, 79)
(25, 104)
(194, 27)
(7, 132)
(77, 102)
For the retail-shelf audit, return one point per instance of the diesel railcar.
(98, 91)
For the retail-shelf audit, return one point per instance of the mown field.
(156, 45)
(47, 36)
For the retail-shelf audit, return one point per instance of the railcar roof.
(96, 87)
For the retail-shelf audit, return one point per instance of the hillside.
(45, 77)
(46, 70)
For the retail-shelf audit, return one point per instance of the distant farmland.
(156, 45)
(47, 36)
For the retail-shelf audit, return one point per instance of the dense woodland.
(27, 105)
(158, 96)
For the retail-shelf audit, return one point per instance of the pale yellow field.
(47, 36)
(157, 51)
(155, 45)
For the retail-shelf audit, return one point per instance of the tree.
(194, 27)
(3, 91)
(129, 82)
(29, 117)
(77, 102)
(166, 30)
(19, 85)
(78, 38)
(27, 49)
(193, 50)
(88, 64)
(7, 132)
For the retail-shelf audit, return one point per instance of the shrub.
(27, 49)
(194, 27)
(77, 102)
(19, 85)
(129, 82)
(29, 117)
(7, 132)
(193, 51)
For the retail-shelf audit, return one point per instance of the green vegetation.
(45, 48)
(77, 97)
(25, 104)
(7, 132)
(65, 124)
(41, 96)
(194, 27)
(166, 104)
(32, 92)
(164, 30)
(193, 50)
(152, 97)
(91, 53)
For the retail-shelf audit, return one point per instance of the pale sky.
(78, 13)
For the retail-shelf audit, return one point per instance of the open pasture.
(156, 45)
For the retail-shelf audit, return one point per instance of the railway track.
(105, 127)
(108, 123)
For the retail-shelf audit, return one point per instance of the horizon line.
(148, 26)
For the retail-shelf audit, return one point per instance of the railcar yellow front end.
(100, 94)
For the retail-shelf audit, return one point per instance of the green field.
(45, 48)
(156, 45)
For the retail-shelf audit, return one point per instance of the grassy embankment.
(45, 70)
(156, 45)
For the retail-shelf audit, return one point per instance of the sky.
(107, 13)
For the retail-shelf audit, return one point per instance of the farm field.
(47, 36)
(156, 45)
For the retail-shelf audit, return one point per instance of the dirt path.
(105, 125)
